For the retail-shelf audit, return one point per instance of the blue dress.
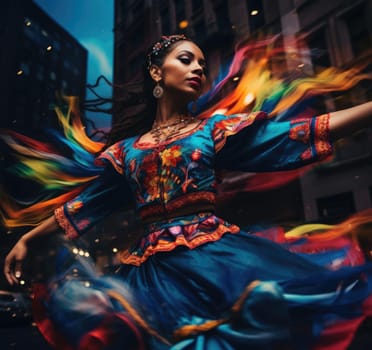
(193, 280)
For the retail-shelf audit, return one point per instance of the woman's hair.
(135, 107)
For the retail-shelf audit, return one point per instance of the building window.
(53, 76)
(165, 21)
(336, 208)
(180, 11)
(222, 15)
(199, 28)
(39, 72)
(360, 37)
(197, 6)
(319, 53)
(256, 15)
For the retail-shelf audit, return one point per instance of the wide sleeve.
(102, 196)
(254, 143)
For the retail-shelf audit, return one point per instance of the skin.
(182, 77)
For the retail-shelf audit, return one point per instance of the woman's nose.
(198, 69)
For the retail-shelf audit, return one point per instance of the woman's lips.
(194, 82)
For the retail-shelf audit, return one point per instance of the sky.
(91, 23)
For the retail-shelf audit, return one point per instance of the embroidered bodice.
(174, 183)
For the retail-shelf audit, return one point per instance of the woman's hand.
(14, 260)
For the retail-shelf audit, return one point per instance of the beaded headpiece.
(162, 44)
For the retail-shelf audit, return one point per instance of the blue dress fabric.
(193, 280)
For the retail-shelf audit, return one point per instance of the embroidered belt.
(188, 204)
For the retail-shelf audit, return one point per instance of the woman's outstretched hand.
(13, 262)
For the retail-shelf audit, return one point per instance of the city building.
(39, 60)
(339, 33)
(336, 32)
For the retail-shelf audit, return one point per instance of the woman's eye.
(185, 60)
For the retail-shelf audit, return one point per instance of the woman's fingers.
(18, 269)
(8, 276)
(13, 262)
(12, 269)
(8, 272)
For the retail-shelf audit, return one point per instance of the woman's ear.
(155, 73)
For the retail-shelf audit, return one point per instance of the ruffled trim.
(163, 245)
(64, 223)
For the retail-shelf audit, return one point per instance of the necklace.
(163, 132)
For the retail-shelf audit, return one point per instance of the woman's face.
(183, 70)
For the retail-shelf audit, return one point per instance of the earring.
(158, 91)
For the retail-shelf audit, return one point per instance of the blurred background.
(52, 46)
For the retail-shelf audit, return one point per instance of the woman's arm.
(15, 258)
(344, 122)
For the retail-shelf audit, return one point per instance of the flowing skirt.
(240, 292)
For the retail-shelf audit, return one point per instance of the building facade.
(339, 33)
(39, 59)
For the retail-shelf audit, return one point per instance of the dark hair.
(135, 109)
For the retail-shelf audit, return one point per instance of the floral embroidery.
(115, 154)
(83, 224)
(321, 147)
(301, 132)
(179, 206)
(307, 154)
(74, 206)
(199, 229)
(152, 188)
(163, 174)
(232, 125)
(149, 164)
(196, 155)
(132, 165)
(322, 144)
(175, 184)
(65, 223)
(148, 171)
(171, 156)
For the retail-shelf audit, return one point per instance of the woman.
(194, 281)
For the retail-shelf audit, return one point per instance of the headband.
(162, 44)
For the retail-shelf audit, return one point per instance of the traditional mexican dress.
(193, 280)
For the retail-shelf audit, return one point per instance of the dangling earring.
(158, 91)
